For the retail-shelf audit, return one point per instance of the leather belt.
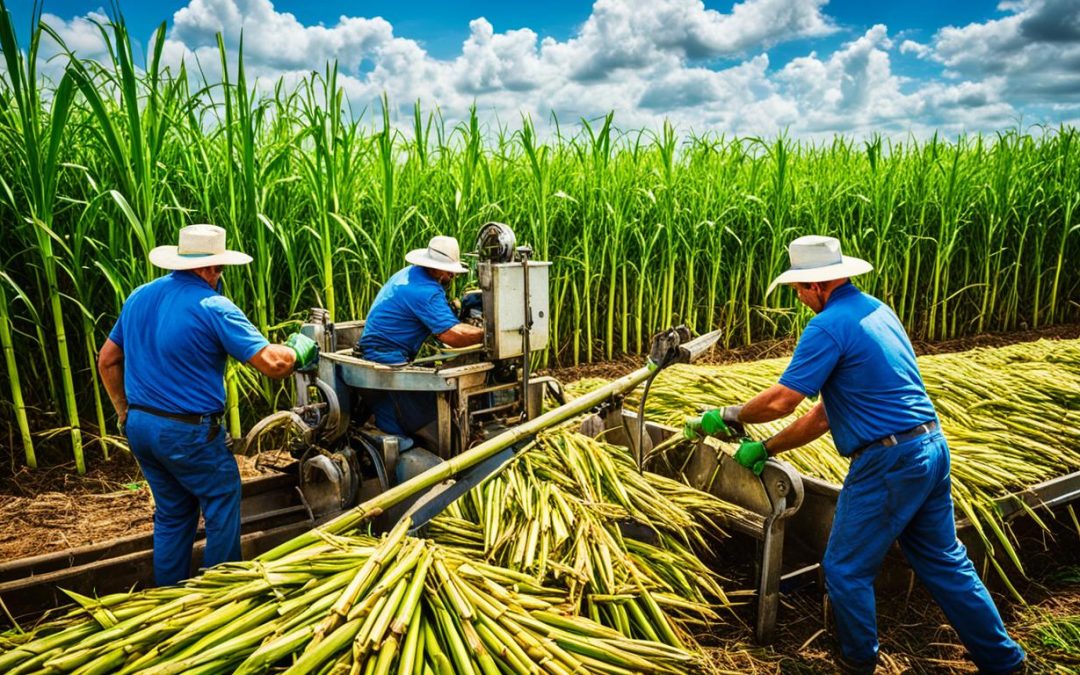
(896, 439)
(213, 418)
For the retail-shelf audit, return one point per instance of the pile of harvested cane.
(530, 572)
(559, 512)
(1011, 416)
(346, 604)
(535, 570)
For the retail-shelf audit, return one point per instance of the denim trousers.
(904, 493)
(189, 470)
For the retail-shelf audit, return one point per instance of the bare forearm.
(807, 428)
(111, 369)
(113, 379)
(775, 402)
(274, 361)
(462, 335)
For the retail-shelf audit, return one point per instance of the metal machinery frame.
(344, 376)
(478, 392)
(766, 503)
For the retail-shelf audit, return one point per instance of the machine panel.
(503, 285)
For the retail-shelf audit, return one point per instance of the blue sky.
(811, 67)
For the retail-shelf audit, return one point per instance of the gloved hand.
(752, 455)
(307, 351)
(722, 423)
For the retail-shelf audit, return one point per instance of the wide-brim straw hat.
(442, 253)
(817, 258)
(199, 246)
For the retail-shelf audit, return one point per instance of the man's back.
(856, 354)
(176, 333)
(410, 306)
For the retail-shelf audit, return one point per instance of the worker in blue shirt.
(163, 366)
(410, 307)
(855, 354)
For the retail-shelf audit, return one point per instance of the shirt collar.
(842, 291)
(189, 277)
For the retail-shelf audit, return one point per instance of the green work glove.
(752, 455)
(722, 423)
(307, 351)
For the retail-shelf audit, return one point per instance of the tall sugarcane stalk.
(13, 376)
(39, 163)
(952, 214)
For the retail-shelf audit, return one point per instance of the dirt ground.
(52, 509)
(914, 634)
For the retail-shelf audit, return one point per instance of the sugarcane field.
(472, 338)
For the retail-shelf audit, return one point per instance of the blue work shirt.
(176, 333)
(857, 355)
(409, 307)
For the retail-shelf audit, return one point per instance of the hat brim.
(420, 258)
(847, 267)
(168, 257)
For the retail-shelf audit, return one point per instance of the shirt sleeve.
(814, 359)
(435, 313)
(237, 334)
(117, 332)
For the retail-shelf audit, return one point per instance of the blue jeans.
(187, 473)
(904, 492)
(402, 413)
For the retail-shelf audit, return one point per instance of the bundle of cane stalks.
(530, 572)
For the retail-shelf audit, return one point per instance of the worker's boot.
(1019, 669)
(849, 667)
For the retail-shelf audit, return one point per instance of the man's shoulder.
(161, 282)
(219, 304)
(848, 307)
(416, 282)
(820, 327)
(150, 291)
(417, 275)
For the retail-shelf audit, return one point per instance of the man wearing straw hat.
(163, 366)
(410, 307)
(856, 355)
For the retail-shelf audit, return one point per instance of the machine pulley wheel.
(496, 243)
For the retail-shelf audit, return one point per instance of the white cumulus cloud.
(700, 68)
(1035, 50)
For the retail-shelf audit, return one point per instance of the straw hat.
(817, 258)
(200, 246)
(442, 253)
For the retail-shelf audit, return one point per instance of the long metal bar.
(1048, 494)
(438, 498)
(526, 328)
